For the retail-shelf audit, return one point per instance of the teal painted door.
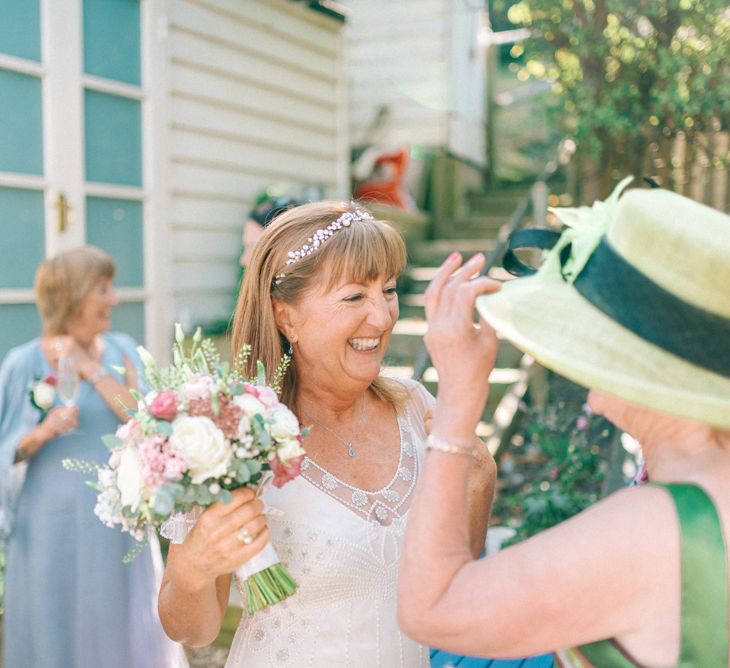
(71, 149)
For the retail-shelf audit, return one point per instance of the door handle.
(63, 208)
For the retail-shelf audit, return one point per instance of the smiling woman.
(46, 516)
(321, 288)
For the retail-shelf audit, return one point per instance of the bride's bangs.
(364, 252)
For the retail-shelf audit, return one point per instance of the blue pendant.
(351, 450)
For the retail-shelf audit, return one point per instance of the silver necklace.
(348, 444)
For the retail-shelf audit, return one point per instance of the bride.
(321, 286)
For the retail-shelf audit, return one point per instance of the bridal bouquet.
(200, 432)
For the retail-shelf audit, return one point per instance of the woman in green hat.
(632, 301)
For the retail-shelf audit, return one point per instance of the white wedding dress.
(343, 547)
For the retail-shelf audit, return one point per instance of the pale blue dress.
(70, 601)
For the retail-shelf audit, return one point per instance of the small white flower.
(289, 449)
(214, 488)
(285, 424)
(244, 428)
(44, 394)
(107, 477)
(203, 445)
(240, 453)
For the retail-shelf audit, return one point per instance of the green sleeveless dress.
(704, 631)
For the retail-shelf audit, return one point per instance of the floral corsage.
(43, 394)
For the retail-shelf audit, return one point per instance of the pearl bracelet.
(436, 443)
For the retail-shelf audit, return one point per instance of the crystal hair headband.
(322, 235)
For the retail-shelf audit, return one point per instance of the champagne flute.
(69, 382)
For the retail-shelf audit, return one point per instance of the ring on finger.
(244, 536)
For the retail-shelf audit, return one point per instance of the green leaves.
(619, 63)
(80, 466)
(111, 441)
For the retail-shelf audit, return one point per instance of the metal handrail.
(565, 149)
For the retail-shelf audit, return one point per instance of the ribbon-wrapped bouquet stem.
(201, 431)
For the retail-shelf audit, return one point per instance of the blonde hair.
(361, 252)
(63, 282)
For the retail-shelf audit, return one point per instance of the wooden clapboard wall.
(256, 97)
(421, 58)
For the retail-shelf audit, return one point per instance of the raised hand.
(60, 420)
(462, 352)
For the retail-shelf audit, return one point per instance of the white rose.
(289, 449)
(249, 404)
(129, 477)
(285, 425)
(203, 445)
(44, 394)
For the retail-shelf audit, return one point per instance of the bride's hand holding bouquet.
(204, 438)
(215, 546)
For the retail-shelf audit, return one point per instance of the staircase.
(474, 232)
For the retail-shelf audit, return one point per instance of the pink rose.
(268, 397)
(164, 407)
(284, 473)
(51, 380)
(251, 389)
(198, 387)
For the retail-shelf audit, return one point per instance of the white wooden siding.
(422, 59)
(256, 98)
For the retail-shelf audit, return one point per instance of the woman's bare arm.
(195, 586)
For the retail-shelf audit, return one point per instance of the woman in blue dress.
(70, 601)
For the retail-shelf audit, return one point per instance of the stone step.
(500, 202)
(501, 383)
(433, 253)
(485, 221)
(420, 277)
(407, 340)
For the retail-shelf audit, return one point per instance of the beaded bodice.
(343, 546)
(383, 505)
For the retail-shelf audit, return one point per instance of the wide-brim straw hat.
(633, 299)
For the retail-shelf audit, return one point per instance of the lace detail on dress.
(342, 545)
(179, 525)
(384, 505)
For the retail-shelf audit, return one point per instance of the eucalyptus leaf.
(254, 467)
(164, 427)
(112, 441)
(163, 502)
(243, 475)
